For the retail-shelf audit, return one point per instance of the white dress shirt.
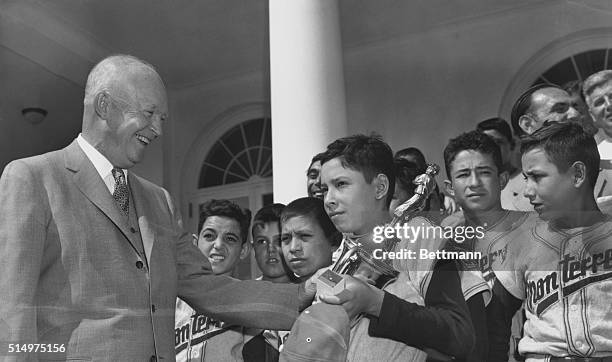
(101, 163)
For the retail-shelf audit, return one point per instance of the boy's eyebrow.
(303, 230)
(477, 168)
(233, 234)
(334, 179)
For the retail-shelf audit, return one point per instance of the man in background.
(598, 95)
(541, 103)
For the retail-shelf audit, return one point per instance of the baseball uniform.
(565, 278)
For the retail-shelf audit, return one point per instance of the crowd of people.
(97, 265)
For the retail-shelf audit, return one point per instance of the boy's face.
(475, 181)
(350, 201)
(313, 180)
(267, 247)
(221, 243)
(549, 191)
(305, 247)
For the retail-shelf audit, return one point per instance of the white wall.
(418, 90)
(423, 89)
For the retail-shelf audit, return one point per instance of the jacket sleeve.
(442, 324)
(23, 225)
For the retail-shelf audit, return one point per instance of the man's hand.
(358, 297)
(309, 289)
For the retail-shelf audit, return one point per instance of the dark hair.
(313, 208)
(564, 144)
(268, 213)
(369, 155)
(473, 140)
(522, 105)
(496, 124)
(226, 208)
(415, 154)
(405, 173)
(315, 158)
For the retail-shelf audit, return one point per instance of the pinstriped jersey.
(565, 278)
(493, 246)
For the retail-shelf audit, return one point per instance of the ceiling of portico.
(199, 41)
(48, 46)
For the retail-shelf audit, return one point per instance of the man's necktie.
(121, 194)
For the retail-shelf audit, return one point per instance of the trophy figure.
(357, 257)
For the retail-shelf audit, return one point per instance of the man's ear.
(381, 182)
(504, 177)
(102, 104)
(245, 251)
(448, 186)
(579, 173)
(527, 123)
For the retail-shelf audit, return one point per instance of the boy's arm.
(442, 324)
(500, 311)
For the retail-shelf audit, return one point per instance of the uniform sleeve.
(500, 311)
(248, 303)
(443, 323)
(22, 242)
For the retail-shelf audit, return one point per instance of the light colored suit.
(71, 272)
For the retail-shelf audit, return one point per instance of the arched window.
(565, 61)
(577, 67)
(241, 153)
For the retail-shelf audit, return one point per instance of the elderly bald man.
(95, 256)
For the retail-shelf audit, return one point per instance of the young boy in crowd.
(562, 266)
(476, 176)
(313, 177)
(512, 193)
(309, 238)
(223, 233)
(358, 181)
(263, 346)
(266, 233)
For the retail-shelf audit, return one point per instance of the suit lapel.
(89, 182)
(143, 206)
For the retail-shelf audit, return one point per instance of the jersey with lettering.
(493, 247)
(199, 338)
(565, 278)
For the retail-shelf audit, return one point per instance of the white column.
(307, 88)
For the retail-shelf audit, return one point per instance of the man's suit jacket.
(71, 273)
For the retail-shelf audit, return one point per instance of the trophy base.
(330, 283)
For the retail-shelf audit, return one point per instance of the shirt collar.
(601, 136)
(100, 162)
